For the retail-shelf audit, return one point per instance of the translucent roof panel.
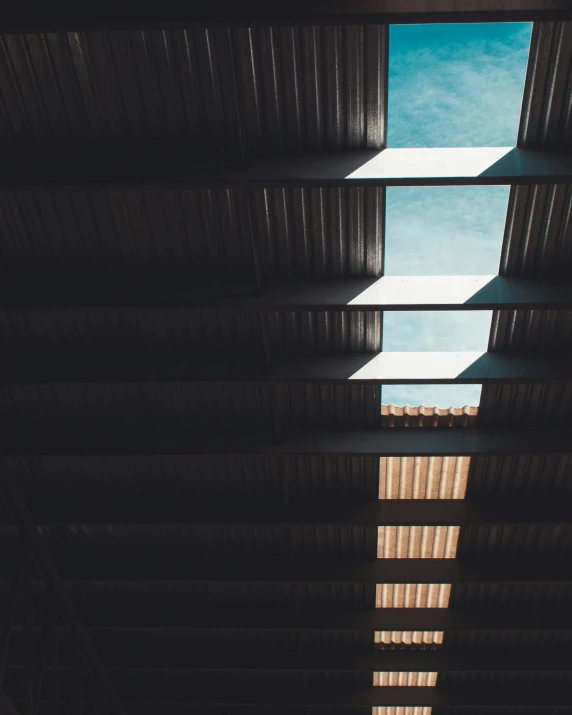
(444, 230)
(404, 679)
(456, 85)
(412, 595)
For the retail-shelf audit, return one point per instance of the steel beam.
(384, 368)
(28, 16)
(167, 659)
(438, 697)
(424, 512)
(393, 293)
(366, 441)
(116, 622)
(476, 166)
(131, 565)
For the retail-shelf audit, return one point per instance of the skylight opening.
(404, 679)
(401, 710)
(407, 638)
(435, 331)
(423, 477)
(417, 542)
(412, 595)
(456, 85)
(444, 230)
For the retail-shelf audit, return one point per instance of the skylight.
(456, 85)
(434, 331)
(444, 230)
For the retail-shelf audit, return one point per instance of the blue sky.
(449, 86)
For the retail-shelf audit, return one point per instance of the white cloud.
(459, 87)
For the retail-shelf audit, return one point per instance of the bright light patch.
(401, 710)
(456, 85)
(405, 679)
(407, 638)
(412, 595)
(423, 477)
(417, 542)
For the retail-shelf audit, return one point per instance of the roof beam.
(135, 565)
(115, 620)
(424, 512)
(146, 660)
(386, 293)
(384, 368)
(269, 695)
(477, 166)
(365, 441)
(129, 14)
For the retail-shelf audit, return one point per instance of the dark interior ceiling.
(190, 480)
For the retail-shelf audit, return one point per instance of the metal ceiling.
(114, 603)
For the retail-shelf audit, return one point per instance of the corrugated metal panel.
(423, 477)
(522, 595)
(547, 104)
(531, 330)
(201, 404)
(505, 679)
(522, 541)
(200, 233)
(319, 87)
(417, 542)
(119, 88)
(538, 232)
(224, 595)
(412, 595)
(206, 477)
(404, 679)
(401, 710)
(196, 541)
(309, 332)
(319, 232)
(272, 88)
(488, 640)
(546, 404)
(423, 416)
(131, 331)
(414, 639)
(534, 476)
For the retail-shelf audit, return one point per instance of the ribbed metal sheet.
(196, 541)
(533, 476)
(424, 416)
(319, 87)
(404, 679)
(538, 232)
(487, 640)
(547, 104)
(319, 232)
(506, 541)
(286, 88)
(401, 710)
(227, 595)
(508, 595)
(207, 477)
(131, 331)
(119, 88)
(98, 234)
(423, 477)
(417, 542)
(385, 640)
(320, 332)
(457, 679)
(412, 595)
(531, 330)
(545, 404)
